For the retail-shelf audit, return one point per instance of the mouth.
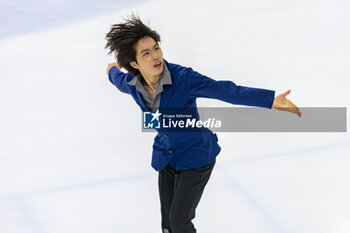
(158, 65)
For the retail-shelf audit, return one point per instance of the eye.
(146, 53)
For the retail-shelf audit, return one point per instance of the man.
(184, 160)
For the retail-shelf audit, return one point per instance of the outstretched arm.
(199, 85)
(118, 78)
(284, 104)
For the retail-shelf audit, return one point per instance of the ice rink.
(73, 158)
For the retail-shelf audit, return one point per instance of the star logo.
(156, 115)
(151, 120)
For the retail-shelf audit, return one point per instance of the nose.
(155, 56)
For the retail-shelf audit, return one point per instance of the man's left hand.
(284, 104)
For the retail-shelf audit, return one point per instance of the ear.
(134, 65)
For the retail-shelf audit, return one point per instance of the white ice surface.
(72, 155)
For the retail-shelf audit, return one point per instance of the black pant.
(180, 193)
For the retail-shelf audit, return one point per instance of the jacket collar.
(166, 79)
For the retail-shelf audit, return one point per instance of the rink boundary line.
(146, 175)
(286, 153)
(235, 186)
(77, 186)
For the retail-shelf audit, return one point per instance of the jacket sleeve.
(119, 79)
(199, 85)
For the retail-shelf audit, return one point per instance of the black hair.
(122, 39)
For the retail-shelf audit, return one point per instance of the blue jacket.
(184, 150)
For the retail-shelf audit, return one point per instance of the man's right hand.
(110, 65)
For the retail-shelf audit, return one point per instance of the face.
(149, 57)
